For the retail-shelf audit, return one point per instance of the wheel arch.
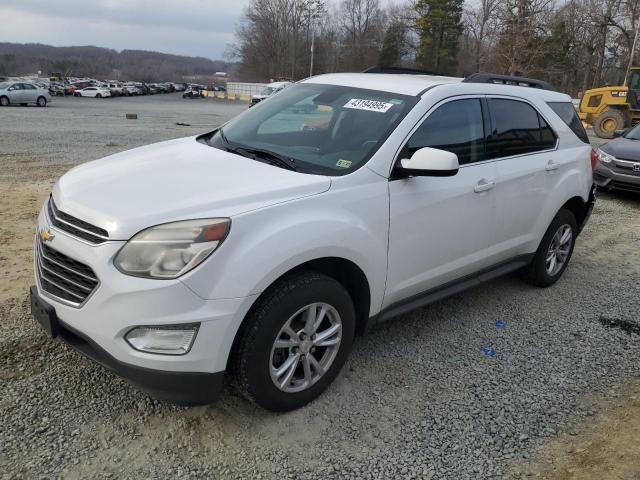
(344, 271)
(577, 206)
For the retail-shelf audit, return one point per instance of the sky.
(184, 27)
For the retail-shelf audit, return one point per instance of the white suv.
(260, 249)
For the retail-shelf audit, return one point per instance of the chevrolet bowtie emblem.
(46, 235)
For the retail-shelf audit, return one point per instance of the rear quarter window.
(567, 112)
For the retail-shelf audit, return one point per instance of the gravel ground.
(417, 399)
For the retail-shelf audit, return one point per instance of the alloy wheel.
(559, 249)
(305, 347)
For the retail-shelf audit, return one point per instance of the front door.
(440, 226)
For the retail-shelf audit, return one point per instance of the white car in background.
(96, 92)
(267, 91)
(259, 249)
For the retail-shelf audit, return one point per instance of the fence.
(243, 91)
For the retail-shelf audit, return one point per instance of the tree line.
(103, 63)
(574, 44)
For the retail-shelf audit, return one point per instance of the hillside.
(146, 66)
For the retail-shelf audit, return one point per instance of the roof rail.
(400, 70)
(508, 80)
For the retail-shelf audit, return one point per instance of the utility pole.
(313, 38)
(633, 51)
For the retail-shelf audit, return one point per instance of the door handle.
(551, 166)
(484, 185)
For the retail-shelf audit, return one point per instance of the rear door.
(523, 146)
(440, 226)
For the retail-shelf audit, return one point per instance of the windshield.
(324, 129)
(268, 91)
(634, 133)
(3, 85)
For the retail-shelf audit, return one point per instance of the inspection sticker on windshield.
(344, 163)
(370, 105)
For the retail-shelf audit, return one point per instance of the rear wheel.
(554, 252)
(41, 102)
(608, 122)
(294, 342)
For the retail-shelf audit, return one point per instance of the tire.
(538, 272)
(255, 357)
(41, 102)
(4, 101)
(98, 95)
(608, 122)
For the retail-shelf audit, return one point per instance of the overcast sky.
(186, 27)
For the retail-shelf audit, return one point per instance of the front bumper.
(605, 177)
(120, 302)
(185, 388)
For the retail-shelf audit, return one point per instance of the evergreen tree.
(393, 45)
(439, 26)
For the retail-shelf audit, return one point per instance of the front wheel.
(42, 102)
(608, 122)
(98, 95)
(4, 101)
(554, 252)
(294, 342)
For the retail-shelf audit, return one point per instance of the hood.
(175, 180)
(623, 148)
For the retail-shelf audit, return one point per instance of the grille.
(75, 226)
(63, 277)
(629, 187)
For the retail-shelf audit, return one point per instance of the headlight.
(605, 157)
(170, 250)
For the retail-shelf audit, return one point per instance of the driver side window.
(456, 127)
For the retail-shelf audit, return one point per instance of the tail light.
(594, 159)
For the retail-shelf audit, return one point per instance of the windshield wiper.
(270, 157)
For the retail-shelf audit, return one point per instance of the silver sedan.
(23, 93)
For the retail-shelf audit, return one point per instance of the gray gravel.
(417, 399)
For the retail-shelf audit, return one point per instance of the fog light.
(166, 340)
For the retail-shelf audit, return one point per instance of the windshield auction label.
(369, 105)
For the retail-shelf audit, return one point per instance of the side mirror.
(430, 162)
(620, 133)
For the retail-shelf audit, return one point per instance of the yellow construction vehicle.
(608, 109)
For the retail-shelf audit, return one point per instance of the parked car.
(115, 88)
(97, 92)
(129, 89)
(57, 90)
(23, 93)
(619, 162)
(193, 92)
(261, 248)
(267, 91)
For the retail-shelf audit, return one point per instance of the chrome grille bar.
(63, 278)
(75, 226)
